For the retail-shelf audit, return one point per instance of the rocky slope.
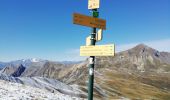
(49, 69)
(16, 91)
(9, 69)
(51, 85)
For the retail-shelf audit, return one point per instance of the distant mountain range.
(24, 62)
(138, 73)
(28, 62)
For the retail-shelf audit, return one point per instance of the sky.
(44, 28)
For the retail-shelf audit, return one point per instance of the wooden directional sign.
(93, 4)
(89, 21)
(100, 50)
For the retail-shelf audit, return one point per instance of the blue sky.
(44, 28)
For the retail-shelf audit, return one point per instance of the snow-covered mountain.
(27, 62)
(12, 66)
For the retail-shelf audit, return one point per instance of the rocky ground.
(15, 91)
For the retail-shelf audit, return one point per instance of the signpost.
(99, 50)
(89, 21)
(90, 49)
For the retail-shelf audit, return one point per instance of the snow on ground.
(16, 91)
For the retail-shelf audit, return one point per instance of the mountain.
(9, 69)
(138, 73)
(142, 59)
(19, 71)
(13, 70)
(42, 68)
(16, 68)
(49, 70)
(28, 62)
(24, 62)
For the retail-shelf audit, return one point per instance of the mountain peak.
(140, 46)
(35, 60)
(142, 49)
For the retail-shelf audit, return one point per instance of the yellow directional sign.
(99, 50)
(93, 4)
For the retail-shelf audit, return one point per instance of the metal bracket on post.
(93, 33)
(92, 39)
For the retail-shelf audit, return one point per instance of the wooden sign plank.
(89, 21)
(100, 50)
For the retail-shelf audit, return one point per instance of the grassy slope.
(110, 84)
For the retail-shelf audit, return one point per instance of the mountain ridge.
(138, 73)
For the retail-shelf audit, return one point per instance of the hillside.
(138, 73)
